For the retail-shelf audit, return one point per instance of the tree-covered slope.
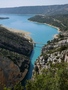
(51, 9)
(55, 78)
(60, 21)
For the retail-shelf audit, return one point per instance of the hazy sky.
(14, 3)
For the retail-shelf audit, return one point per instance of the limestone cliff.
(15, 51)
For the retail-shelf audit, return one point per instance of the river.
(40, 33)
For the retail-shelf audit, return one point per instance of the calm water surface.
(39, 33)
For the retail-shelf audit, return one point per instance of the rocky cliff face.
(13, 42)
(14, 57)
(53, 53)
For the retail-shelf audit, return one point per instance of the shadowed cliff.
(15, 51)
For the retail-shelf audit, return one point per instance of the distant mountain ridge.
(48, 10)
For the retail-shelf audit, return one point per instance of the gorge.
(33, 45)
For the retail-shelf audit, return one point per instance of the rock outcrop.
(54, 52)
(15, 51)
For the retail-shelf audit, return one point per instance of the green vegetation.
(18, 86)
(55, 78)
(60, 21)
(60, 49)
(18, 49)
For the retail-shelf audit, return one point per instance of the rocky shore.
(55, 51)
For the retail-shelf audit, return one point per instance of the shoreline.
(48, 25)
(53, 27)
(55, 36)
(23, 33)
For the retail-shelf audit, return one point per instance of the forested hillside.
(48, 10)
(54, 78)
(60, 21)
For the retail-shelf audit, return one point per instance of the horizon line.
(33, 6)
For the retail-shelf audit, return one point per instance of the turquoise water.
(39, 33)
